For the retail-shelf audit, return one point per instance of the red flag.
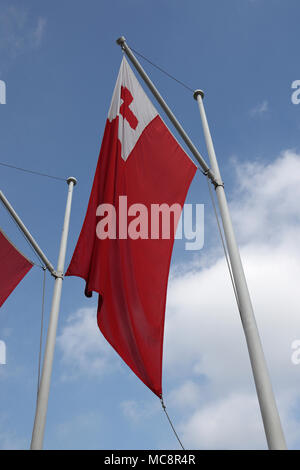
(126, 260)
(13, 267)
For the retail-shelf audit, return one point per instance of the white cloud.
(260, 109)
(84, 349)
(187, 396)
(265, 205)
(230, 423)
(137, 411)
(9, 440)
(203, 331)
(19, 32)
(82, 423)
(39, 31)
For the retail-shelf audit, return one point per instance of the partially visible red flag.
(13, 267)
(139, 159)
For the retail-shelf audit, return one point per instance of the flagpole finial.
(198, 92)
(72, 179)
(121, 41)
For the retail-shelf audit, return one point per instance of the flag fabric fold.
(119, 253)
(13, 267)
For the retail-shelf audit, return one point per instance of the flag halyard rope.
(163, 71)
(170, 422)
(222, 241)
(32, 172)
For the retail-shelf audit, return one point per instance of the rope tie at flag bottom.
(171, 424)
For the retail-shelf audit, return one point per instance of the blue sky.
(59, 61)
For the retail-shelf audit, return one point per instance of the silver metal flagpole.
(27, 234)
(43, 393)
(270, 416)
(271, 420)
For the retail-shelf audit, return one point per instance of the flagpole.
(270, 416)
(269, 411)
(27, 234)
(43, 393)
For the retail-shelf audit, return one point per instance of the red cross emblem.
(125, 111)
